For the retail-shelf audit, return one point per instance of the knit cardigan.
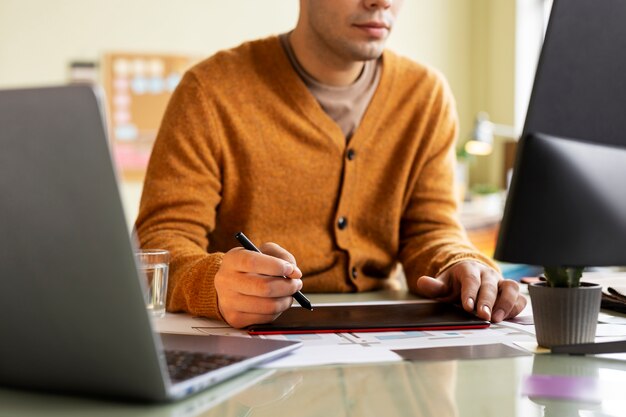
(244, 146)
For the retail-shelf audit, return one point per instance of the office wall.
(39, 37)
(439, 33)
(493, 80)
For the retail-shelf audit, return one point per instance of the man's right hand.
(251, 287)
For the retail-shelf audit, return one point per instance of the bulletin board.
(138, 88)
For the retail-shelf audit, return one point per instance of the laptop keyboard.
(183, 365)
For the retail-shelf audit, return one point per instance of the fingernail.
(487, 310)
(288, 269)
(498, 316)
(470, 303)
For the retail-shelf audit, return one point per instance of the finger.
(487, 294)
(430, 287)
(261, 305)
(520, 305)
(243, 260)
(240, 319)
(273, 249)
(277, 251)
(508, 294)
(470, 279)
(265, 286)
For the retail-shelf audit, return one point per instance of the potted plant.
(565, 310)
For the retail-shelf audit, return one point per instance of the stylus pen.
(246, 243)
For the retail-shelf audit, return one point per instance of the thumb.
(430, 287)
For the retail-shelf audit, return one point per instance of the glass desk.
(442, 389)
(493, 387)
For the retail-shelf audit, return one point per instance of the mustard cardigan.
(244, 146)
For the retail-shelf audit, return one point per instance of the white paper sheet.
(367, 347)
(185, 324)
(329, 355)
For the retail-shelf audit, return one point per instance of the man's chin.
(368, 52)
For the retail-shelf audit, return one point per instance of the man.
(319, 141)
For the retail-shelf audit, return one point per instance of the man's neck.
(322, 64)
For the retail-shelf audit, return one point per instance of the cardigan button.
(342, 223)
(351, 154)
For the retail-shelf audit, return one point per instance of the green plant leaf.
(563, 276)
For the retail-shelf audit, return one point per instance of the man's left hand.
(480, 290)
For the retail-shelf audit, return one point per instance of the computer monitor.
(580, 84)
(566, 205)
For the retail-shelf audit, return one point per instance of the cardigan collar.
(301, 98)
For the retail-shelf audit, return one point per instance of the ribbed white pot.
(565, 316)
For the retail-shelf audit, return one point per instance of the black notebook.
(371, 318)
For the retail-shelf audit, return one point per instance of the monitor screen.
(567, 202)
(566, 205)
(580, 84)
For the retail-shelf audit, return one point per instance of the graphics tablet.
(371, 318)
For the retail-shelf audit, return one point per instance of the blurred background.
(137, 51)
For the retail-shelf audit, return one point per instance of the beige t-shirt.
(346, 105)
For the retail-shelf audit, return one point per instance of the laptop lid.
(75, 313)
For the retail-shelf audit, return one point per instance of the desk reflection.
(595, 385)
(486, 388)
(399, 389)
(22, 403)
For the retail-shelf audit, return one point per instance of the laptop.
(75, 318)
